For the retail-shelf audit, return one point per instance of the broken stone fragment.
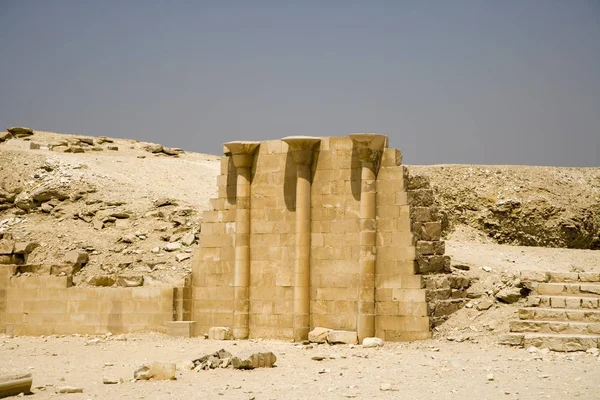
(77, 258)
(14, 384)
(20, 131)
(101, 280)
(372, 342)
(484, 304)
(171, 151)
(219, 333)
(182, 256)
(153, 148)
(68, 389)
(5, 136)
(318, 335)
(130, 281)
(164, 201)
(86, 140)
(155, 371)
(344, 337)
(172, 246)
(188, 239)
(6, 247)
(509, 295)
(25, 247)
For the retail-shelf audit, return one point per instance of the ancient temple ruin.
(305, 232)
(317, 232)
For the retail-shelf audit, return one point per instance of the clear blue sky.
(489, 82)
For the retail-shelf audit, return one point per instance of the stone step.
(560, 314)
(563, 327)
(543, 276)
(552, 341)
(572, 302)
(568, 289)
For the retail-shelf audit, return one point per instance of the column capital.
(302, 147)
(369, 145)
(241, 152)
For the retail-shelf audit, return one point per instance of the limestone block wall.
(343, 290)
(44, 305)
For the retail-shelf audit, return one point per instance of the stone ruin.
(305, 232)
(321, 232)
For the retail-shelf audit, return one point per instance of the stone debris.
(20, 131)
(509, 295)
(219, 333)
(318, 335)
(342, 337)
(68, 389)
(155, 371)
(224, 359)
(386, 387)
(111, 381)
(372, 342)
(484, 304)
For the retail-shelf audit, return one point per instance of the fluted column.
(302, 148)
(242, 154)
(369, 147)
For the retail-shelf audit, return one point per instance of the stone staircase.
(562, 314)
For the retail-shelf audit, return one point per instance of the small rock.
(385, 387)
(110, 381)
(182, 257)
(318, 335)
(20, 131)
(486, 269)
(484, 304)
(219, 333)
(69, 389)
(156, 371)
(490, 377)
(172, 246)
(372, 342)
(186, 366)
(130, 281)
(509, 295)
(337, 336)
(318, 358)
(188, 239)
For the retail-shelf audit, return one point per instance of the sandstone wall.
(400, 299)
(44, 305)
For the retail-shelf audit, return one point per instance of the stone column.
(302, 148)
(242, 154)
(369, 147)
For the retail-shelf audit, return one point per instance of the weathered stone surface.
(421, 197)
(263, 360)
(433, 264)
(511, 339)
(318, 335)
(431, 231)
(417, 182)
(344, 337)
(219, 333)
(372, 342)
(509, 295)
(155, 371)
(435, 247)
